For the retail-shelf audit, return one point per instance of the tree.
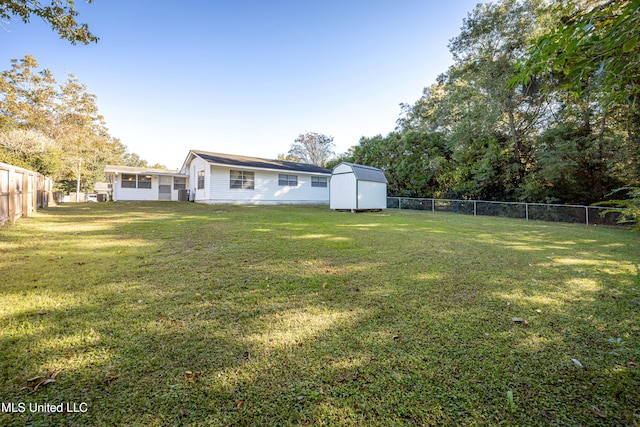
(600, 43)
(29, 149)
(60, 15)
(55, 128)
(312, 148)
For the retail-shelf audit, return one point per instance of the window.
(179, 183)
(318, 181)
(129, 181)
(144, 181)
(136, 181)
(242, 180)
(290, 180)
(200, 180)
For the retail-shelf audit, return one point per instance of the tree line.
(55, 128)
(540, 105)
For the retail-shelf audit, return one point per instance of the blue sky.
(247, 76)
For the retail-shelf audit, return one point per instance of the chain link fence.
(589, 215)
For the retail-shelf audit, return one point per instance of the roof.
(254, 162)
(367, 173)
(139, 170)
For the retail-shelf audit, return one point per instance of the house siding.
(266, 191)
(139, 194)
(198, 164)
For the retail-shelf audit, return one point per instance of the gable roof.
(255, 162)
(366, 173)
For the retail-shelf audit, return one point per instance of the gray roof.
(367, 173)
(254, 162)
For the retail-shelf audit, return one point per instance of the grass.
(183, 314)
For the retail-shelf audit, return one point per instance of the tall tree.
(55, 128)
(28, 95)
(312, 148)
(60, 15)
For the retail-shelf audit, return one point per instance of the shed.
(357, 188)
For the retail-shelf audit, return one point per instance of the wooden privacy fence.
(22, 192)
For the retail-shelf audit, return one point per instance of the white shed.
(357, 187)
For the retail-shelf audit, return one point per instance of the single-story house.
(136, 183)
(225, 178)
(357, 188)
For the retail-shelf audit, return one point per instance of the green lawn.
(183, 314)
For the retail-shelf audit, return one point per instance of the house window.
(144, 181)
(136, 181)
(179, 183)
(129, 181)
(200, 180)
(241, 179)
(318, 181)
(289, 180)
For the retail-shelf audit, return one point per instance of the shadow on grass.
(179, 313)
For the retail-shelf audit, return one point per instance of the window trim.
(319, 181)
(179, 186)
(243, 180)
(146, 183)
(200, 185)
(287, 180)
(130, 183)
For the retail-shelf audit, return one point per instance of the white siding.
(266, 191)
(139, 194)
(343, 191)
(136, 194)
(372, 195)
(342, 168)
(198, 164)
(348, 192)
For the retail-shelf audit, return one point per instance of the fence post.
(526, 210)
(474, 208)
(433, 205)
(586, 214)
(399, 203)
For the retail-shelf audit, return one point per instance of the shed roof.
(254, 162)
(367, 173)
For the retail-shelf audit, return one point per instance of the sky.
(247, 77)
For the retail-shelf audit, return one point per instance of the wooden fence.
(22, 192)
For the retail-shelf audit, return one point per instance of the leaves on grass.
(37, 382)
(520, 320)
(192, 375)
(598, 412)
(110, 378)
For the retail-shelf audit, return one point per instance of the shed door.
(164, 188)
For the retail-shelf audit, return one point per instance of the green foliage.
(60, 15)
(412, 160)
(630, 206)
(55, 128)
(531, 110)
(596, 44)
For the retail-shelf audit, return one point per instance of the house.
(224, 178)
(136, 183)
(357, 187)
